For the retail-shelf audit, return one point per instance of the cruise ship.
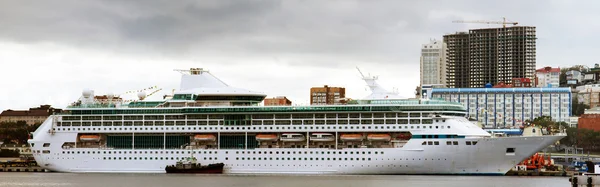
(217, 123)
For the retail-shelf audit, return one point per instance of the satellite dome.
(87, 93)
(141, 95)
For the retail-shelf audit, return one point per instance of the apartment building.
(490, 55)
(547, 77)
(327, 95)
(433, 63)
(509, 107)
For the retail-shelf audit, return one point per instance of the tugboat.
(189, 165)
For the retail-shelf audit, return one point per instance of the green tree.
(545, 122)
(578, 108)
(16, 131)
(571, 139)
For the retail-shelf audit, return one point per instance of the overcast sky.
(51, 50)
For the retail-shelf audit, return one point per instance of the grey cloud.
(353, 28)
(304, 32)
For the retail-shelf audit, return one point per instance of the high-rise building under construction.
(490, 55)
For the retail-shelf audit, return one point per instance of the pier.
(19, 165)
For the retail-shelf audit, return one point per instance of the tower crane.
(503, 22)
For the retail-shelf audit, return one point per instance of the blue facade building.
(507, 107)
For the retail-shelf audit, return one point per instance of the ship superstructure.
(216, 123)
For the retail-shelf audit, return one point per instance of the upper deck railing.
(374, 105)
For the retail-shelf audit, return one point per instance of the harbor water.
(19, 179)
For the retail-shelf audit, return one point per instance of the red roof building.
(547, 77)
(516, 83)
(589, 121)
(548, 70)
(103, 99)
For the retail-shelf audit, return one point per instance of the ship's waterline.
(216, 123)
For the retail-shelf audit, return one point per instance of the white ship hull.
(488, 157)
(403, 136)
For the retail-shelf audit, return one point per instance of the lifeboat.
(322, 137)
(205, 137)
(89, 138)
(266, 137)
(379, 137)
(351, 137)
(292, 137)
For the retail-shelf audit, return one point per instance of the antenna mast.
(361, 74)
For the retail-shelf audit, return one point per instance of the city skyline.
(51, 51)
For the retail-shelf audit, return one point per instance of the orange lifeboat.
(89, 138)
(379, 137)
(205, 137)
(351, 137)
(266, 137)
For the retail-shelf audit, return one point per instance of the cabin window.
(510, 151)
(46, 145)
(415, 121)
(468, 143)
(378, 115)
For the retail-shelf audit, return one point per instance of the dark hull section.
(210, 169)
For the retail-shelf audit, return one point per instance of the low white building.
(589, 95)
(574, 76)
(509, 107)
(573, 121)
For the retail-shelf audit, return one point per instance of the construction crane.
(503, 22)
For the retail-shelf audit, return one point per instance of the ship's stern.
(40, 141)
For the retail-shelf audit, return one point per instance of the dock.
(536, 173)
(22, 169)
(19, 165)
